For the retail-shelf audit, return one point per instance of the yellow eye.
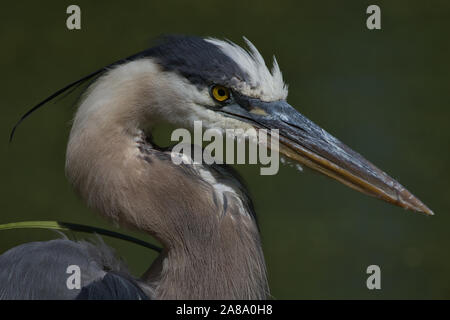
(220, 93)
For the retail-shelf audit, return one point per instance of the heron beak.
(304, 142)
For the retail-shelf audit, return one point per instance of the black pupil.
(221, 92)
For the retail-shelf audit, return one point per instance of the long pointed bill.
(305, 142)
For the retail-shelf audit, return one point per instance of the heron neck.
(212, 250)
(231, 266)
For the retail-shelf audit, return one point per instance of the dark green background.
(385, 93)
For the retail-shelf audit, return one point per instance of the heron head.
(228, 87)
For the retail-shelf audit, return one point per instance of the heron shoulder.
(39, 270)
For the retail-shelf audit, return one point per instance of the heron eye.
(220, 93)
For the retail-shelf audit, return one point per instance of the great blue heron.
(201, 214)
